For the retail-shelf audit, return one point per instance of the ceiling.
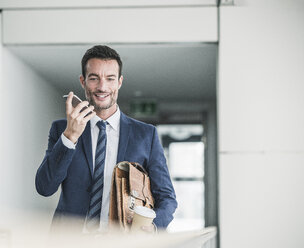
(165, 72)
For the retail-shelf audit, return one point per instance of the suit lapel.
(123, 137)
(87, 146)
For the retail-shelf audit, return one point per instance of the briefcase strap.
(139, 167)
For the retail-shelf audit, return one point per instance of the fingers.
(89, 116)
(77, 118)
(86, 111)
(83, 116)
(80, 106)
(68, 103)
(80, 114)
(129, 219)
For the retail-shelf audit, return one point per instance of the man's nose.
(102, 84)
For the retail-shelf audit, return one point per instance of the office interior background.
(221, 80)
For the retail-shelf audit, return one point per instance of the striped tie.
(93, 217)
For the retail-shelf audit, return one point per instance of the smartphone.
(75, 101)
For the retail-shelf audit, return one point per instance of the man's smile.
(101, 96)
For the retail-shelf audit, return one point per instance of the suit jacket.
(73, 169)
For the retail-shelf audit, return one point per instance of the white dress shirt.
(112, 130)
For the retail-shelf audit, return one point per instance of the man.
(84, 148)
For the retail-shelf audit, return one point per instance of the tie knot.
(102, 125)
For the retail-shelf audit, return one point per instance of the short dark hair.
(100, 52)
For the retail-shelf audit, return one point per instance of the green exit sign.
(143, 108)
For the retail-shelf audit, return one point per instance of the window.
(184, 151)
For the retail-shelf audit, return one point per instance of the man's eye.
(92, 79)
(111, 79)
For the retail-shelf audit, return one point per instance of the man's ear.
(82, 81)
(120, 81)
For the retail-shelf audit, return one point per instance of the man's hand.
(76, 120)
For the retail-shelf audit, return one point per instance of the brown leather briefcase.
(130, 187)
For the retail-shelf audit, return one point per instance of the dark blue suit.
(73, 168)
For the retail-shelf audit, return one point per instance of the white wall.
(261, 134)
(29, 104)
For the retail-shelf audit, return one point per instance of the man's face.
(101, 83)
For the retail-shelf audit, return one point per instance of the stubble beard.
(97, 108)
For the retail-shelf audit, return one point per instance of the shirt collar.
(113, 120)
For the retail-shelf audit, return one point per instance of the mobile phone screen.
(75, 101)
